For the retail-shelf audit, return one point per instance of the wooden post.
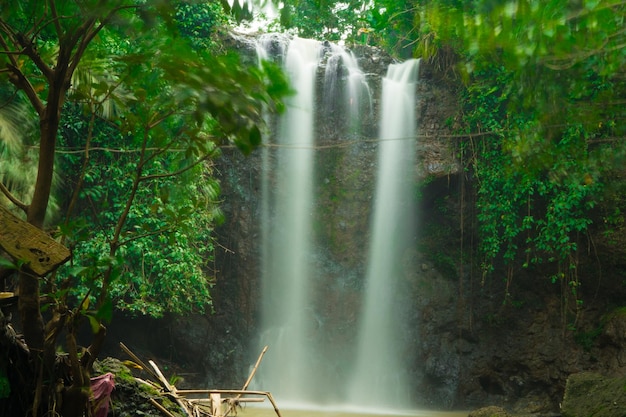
(216, 404)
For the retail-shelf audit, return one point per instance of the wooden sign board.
(23, 241)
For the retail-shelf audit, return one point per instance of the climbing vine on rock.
(531, 210)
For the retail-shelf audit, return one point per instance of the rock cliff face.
(471, 346)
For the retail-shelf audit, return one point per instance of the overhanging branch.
(175, 173)
(7, 193)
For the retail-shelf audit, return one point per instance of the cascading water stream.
(303, 367)
(286, 281)
(357, 93)
(378, 379)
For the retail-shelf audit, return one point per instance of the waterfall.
(304, 366)
(287, 245)
(357, 99)
(379, 376)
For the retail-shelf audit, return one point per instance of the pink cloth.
(101, 388)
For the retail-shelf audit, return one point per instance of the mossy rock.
(491, 411)
(589, 394)
(131, 398)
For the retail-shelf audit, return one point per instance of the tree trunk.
(29, 305)
(30, 313)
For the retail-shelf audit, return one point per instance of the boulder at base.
(491, 411)
(593, 395)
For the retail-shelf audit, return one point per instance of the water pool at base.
(256, 411)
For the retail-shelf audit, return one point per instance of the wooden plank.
(25, 242)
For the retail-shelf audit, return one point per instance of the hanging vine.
(530, 211)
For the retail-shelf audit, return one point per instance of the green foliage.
(139, 103)
(390, 24)
(587, 339)
(393, 25)
(564, 62)
(543, 83)
(530, 210)
(324, 19)
(330, 20)
(199, 22)
(146, 203)
(151, 99)
(161, 262)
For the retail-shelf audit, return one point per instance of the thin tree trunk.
(29, 304)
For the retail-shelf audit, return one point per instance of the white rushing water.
(378, 379)
(285, 278)
(262, 411)
(297, 369)
(356, 97)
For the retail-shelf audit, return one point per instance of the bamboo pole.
(234, 391)
(161, 378)
(242, 400)
(233, 402)
(219, 391)
(256, 366)
(161, 408)
(138, 361)
(169, 388)
(269, 397)
(215, 395)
